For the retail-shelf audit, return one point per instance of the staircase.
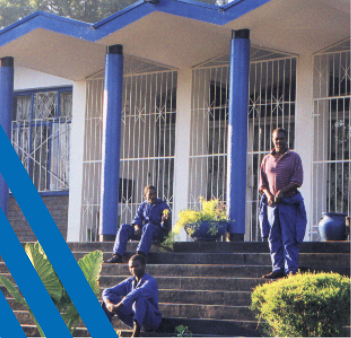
(205, 286)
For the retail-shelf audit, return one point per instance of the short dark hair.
(149, 187)
(280, 130)
(139, 258)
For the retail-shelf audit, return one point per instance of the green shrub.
(304, 305)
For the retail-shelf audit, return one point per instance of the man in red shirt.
(282, 211)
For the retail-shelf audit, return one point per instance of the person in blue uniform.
(151, 223)
(135, 300)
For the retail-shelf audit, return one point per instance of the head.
(150, 193)
(279, 139)
(137, 265)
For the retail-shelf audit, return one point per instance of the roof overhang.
(179, 34)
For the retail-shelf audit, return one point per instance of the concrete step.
(206, 311)
(232, 328)
(194, 283)
(219, 247)
(199, 326)
(203, 270)
(198, 311)
(306, 259)
(203, 297)
(31, 331)
(191, 270)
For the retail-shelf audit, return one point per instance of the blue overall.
(285, 227)
(148, 219)
(140, 302)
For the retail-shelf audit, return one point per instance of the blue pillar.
(111, 140)
(6, 106)
(237, 132)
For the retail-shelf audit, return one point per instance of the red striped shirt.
(278, 173)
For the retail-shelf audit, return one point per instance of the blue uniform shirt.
(150, 213)
(130, 290)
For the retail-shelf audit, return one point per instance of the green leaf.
(45, 271)
(70, 314)
(91, 265)
(13, 290)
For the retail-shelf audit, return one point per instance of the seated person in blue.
(150, 223)
(135, 300)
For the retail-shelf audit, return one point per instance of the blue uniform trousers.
(141, 311)
(283, 243)
(149, 233)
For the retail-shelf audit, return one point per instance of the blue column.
(111, 140)
(6, 106)
(237, 132)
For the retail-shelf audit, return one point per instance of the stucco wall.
(30, 79)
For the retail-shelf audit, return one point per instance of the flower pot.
(332, 227)
(206, 230)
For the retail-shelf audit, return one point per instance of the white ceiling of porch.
(292, 26)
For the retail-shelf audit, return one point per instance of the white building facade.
(175, 117)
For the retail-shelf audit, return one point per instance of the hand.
(270, 198)
(165, 215)
(137, 230)
(114, 308)
(278, 196)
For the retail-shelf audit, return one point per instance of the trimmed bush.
(304, 305)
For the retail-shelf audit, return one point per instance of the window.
(332, 133)
(40, 135)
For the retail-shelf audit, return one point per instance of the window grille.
(331, 185)
(271, 105)
(147, 142)
(40, 135)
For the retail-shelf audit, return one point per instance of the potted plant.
(206, 225)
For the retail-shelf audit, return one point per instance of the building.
(174, 118)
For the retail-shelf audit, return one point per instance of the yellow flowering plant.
(213, 210)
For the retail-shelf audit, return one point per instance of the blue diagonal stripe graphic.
(10, 327)
(53, 243)
(30, 284)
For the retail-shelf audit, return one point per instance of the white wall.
(76, 160)
(30, 79)
(304, 129)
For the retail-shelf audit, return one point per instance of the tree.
(84, 10)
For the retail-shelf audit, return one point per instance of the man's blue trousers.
(149, 233)
(141, 311)
(283, 244)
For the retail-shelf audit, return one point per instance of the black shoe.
(141, 253)
(274, 275)
(114, 259)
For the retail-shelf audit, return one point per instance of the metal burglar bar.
(332, 133)
(271, 105)
(147, 141)
(40, 135)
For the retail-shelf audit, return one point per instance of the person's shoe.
(141, 253)
(136, 329)
(114, 259)
(274, 275)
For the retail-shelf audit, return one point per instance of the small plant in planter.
(205, 225)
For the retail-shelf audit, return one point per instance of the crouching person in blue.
(135, 300)
(151, 223)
